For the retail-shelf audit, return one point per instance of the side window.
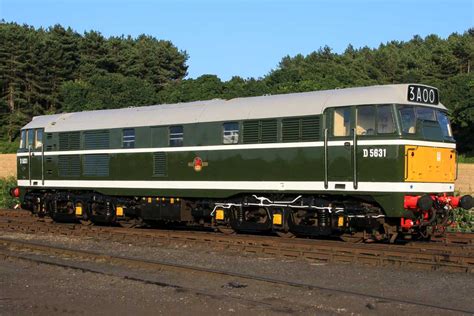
(230, 133)
(342, 121)
(128, 140)
(31, 138)
(366, 120)
(38, 138)
(23, 139)
(385, 124)
(176, 136)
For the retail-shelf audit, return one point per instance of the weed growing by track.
(6, 201)
(464, 221)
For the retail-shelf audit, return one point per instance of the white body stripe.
(246, 185)
(378, 142)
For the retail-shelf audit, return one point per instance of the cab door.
(36, 157)
(339, 148)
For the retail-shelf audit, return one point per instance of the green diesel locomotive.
(372, 162)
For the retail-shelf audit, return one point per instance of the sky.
(248, 38)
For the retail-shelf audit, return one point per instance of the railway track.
(72, 258)
(454, 257)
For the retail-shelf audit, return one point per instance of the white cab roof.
(283, 105)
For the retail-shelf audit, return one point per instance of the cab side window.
(30, 138)
(23, 139)
(342, 121)
(38, 138)
(366, 120)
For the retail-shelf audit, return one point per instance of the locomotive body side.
(359, 161)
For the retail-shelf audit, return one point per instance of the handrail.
(354, 157)
(42, 164)
(29, 163)
(326, 183)
(457, 164)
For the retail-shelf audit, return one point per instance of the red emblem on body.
(197, 164)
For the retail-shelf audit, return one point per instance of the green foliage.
(467, 158)
(463, 221)
(444, 63)
(6, 201)
(55, 70)
(44, 71)
(7, 147)
(108, 91)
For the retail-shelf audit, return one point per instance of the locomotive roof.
(283, 105)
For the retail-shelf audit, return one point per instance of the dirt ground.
(27, 287)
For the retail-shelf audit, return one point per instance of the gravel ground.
(30, 288)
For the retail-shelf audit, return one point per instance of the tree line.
(55, 70)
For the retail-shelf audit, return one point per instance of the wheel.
(86, 222)
(284, 234)
(226, 230)
(130, 223)
(353, 238)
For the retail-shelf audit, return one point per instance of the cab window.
(366, 120)
(385, 122)
(38, 138)
(23, 139)
(444, 123)
(342, 121)
(31, 138)
(426, 114)
(408, 120)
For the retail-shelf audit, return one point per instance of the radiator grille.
(265, 131)
(95, 165)
(268, 131)
(310, 128)
(301, 129)
(96, 140)
(69, 141)
(290, 130)
(69, 166)
(250, 133)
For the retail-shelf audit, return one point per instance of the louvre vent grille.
(96, 140)
(69, 141)
(95, 165)
(160, 164)
(290, 130)
(301, 129)
(250, 134)
(268, 132)
(69, 166)
(310, 128)
(49, 136)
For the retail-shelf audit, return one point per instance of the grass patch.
(6, 201)
(467, 157)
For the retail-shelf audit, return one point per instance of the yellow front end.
(430, 164)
